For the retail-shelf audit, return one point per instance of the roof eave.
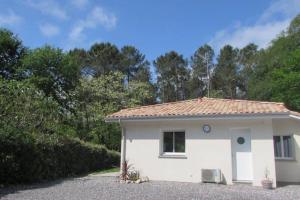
(295, 117)
(201, 117)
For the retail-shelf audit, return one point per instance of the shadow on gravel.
(12, 189)
(284, 184)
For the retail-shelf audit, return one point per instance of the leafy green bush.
(25, 159)
(35, 141)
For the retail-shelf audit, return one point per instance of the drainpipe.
(123, 145)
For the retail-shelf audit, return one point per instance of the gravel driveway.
(101, 187)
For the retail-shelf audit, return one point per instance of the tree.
(142, 81)
(11, 51)
(286, 82)
(53, 72)
(104, 58)
(143, 73)
(95, 98)
(172, 77)
(132, 60)
(202, 58)
(271, 59)
(80, 56)
(26, 110)
(225, 76)
(140, 93)
(247, 61)
(294, 27)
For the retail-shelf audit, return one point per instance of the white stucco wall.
(288, 170)
(212, 151)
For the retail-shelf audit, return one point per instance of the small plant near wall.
(134, 175)
(125, 170)
(267, 183)
(130, 175)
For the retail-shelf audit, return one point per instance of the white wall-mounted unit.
(211, 176)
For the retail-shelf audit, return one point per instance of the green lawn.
(103, 171)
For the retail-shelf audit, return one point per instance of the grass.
(103, 171)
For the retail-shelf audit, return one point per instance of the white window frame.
(172, 154)
(282, 157)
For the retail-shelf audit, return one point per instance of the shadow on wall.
(224, 179)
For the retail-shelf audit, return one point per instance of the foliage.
(109, 170)
(103, 58)
(172, 77)
(25, 158)
(286, 81)
(126, 167)
(81, 58)
(34, 141)
(128, 172)
(99, 96)
(24, 109)
(131, 62)
(95, 98)
(216, 94)
(247, 61)
(11, 52)
(53, 72)
(225, 75)
(143, 73)
(140, 93)
(276, 76)
(294, 27)
(200, 61)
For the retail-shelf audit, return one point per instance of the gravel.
(107, 188)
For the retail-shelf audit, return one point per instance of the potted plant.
(267, 183)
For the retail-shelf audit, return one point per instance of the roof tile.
(202, 106)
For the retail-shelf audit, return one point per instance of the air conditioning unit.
(211, 176)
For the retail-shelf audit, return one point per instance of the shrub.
(25, 158)
(128, 172)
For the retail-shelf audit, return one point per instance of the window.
(174, 142)
(283, 147)
(277, 146)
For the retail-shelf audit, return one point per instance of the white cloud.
(241, 36)
(97, 17)
(79, 3)
(49, 30)
(48, 7)
(271, 23)
(282, 9)
(10, 18)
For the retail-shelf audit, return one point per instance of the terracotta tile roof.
(295, 113)
(202, 107)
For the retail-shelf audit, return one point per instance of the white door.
(241, 155)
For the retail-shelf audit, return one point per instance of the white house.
(244, 139)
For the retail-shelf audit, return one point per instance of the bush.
(25, 158)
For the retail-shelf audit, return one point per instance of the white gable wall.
(203, 151)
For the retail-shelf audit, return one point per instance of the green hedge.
(25, 159)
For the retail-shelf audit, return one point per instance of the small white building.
(245, 140)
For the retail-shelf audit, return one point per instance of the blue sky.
(154, 27)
